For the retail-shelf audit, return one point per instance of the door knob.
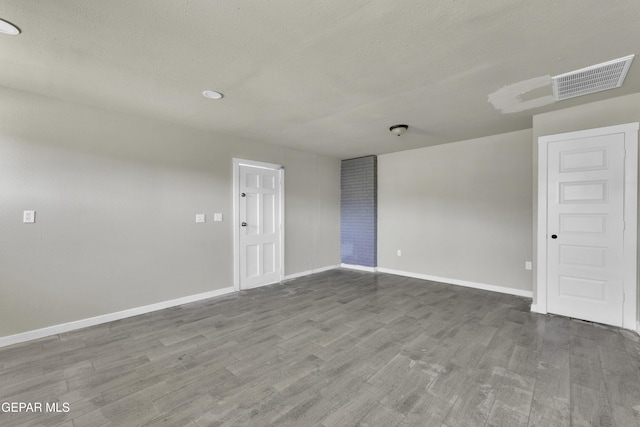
(244, 224)
(554, 236)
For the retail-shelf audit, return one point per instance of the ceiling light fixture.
(212, 94)
(398, 130)
(8, 28)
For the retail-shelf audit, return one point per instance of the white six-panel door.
(258, 222)
(585, 266)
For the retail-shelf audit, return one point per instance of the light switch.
(200, 218)
(217, 217)
(29, 217)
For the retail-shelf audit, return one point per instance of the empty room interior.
(274, 212)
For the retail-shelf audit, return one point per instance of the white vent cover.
(608, 75)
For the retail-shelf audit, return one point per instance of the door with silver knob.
(260, 218)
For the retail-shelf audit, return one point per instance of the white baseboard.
(359, 268)
(475, 285)
(308, 272)
(92, 321)
(536, 309)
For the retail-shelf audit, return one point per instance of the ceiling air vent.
(608, 75)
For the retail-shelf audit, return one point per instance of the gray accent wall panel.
(358, 211)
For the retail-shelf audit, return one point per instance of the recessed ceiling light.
(8, 28)
(212, 94)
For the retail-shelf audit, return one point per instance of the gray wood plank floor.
(340, 348)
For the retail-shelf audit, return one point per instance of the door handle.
(244, 224)
(554, 236)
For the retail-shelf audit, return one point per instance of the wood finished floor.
(340, 348)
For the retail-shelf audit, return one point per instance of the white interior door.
(585, 239)
(587, 225)
(259, 225)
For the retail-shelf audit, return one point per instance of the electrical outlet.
(200, 218)
(399, 252)
(29, 217)
(217, 217)
(528, 265)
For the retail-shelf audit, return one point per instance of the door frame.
(630, 209)
(237, 162)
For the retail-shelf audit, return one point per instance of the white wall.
(459, 211)
(116, 197)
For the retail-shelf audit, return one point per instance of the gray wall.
(359, 211)
(459, 211)
(615, 111)
(116, 198)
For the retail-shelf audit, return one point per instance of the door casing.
(236, 214)
(630, 131)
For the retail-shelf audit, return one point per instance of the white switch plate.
(29, 217)
(399, 252)
(200, 218)
(217, 217)
(527, 265)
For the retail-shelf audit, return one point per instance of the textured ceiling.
(327, 76)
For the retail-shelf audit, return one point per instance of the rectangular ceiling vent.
(608, 75)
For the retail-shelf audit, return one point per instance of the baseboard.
(308, 272)
(92, 321)
(359, 268)
(475, 285)
(535, 309)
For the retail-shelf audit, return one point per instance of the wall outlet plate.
(528, 265)
(29, 217)
(217, 217)
(200, 218)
